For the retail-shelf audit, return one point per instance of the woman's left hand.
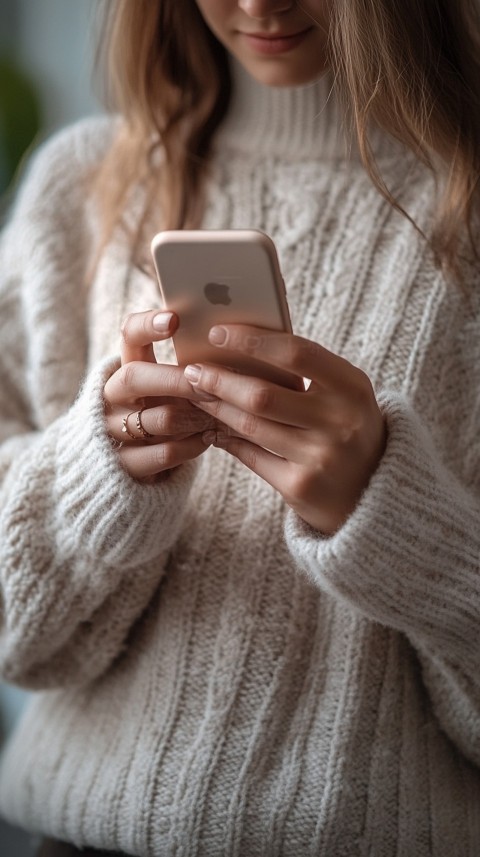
(317, 447)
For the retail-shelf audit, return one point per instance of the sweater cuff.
(100, 509)
(408, 555)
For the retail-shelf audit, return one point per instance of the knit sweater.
(212, 676)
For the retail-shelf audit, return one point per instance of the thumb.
(141, 329)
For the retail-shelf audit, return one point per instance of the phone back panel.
(212, 277)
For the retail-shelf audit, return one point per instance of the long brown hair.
(169, 78)
(412, 68)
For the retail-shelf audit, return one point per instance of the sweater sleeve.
(409, 558)
(83, 545)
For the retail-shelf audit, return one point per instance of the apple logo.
(217, 293)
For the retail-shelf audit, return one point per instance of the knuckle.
(296, 354)
(251, 343)
(211, 380)
(364, 390)
(215, 409)
(163, 456)
(329, 459)
(346, 436)
(261, 399)
(171, 379)
(163, 422)
(127, 376)
(357, 413)
(324, 454)
(297, 486)
(308, 484)
(108, 396)
(126, 327)
(146, 326)
(248, 424)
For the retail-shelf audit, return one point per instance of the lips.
(273, 43)
(277, 35)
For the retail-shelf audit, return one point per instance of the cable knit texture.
(212, 676)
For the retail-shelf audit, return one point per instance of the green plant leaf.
(20, 118)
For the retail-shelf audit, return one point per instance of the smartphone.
(212, 277)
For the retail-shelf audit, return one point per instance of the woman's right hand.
(154, 399)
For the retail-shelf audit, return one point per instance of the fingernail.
(217, 335)
(192, 373)
(162, 321)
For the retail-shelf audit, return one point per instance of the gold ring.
(138, 423)
(125, 428)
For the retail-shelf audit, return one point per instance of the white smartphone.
(212, 277)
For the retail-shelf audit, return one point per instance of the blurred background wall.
(48, 45)
(52, 40)
(46, 51)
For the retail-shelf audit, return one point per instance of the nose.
(264, 8)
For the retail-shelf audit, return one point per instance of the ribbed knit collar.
(303, 122)
(294, 123)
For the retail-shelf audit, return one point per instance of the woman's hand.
(147, 406)
(317, 447)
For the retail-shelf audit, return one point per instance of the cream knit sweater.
(214, 677)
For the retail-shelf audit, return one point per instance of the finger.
(248, 393)
(286, 441)
(272, 468)
(149, 460)
(295, 354)
(255, 395)
(138, 380)
(168, 421)
(141, 329)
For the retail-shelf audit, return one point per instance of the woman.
(252, 615)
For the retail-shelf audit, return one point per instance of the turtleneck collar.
(293, 123)
(296, 123)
